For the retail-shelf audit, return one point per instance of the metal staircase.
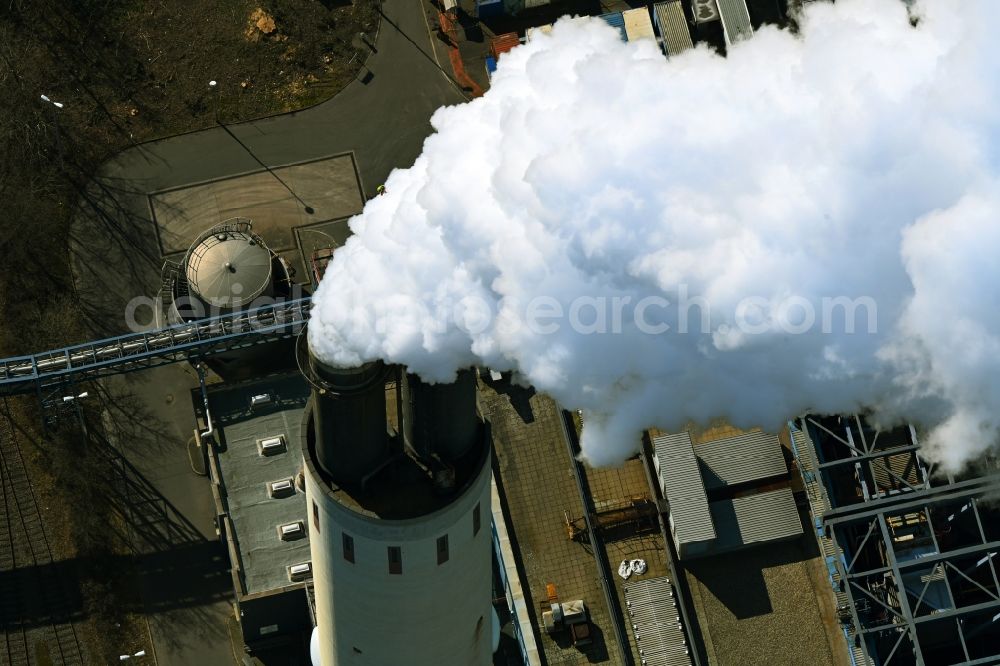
(819, 504)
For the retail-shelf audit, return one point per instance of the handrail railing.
(22, 374)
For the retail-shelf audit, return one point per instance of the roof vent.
(261, 400)
(292, 531)
(270, 446)
(705, 11)
(282, 488)
(297, 572)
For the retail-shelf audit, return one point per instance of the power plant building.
(358, 501)
(255, 466)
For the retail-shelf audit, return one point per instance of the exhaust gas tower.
(397, 476)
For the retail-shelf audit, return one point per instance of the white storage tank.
(227, 268)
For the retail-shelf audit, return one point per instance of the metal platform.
(138, 351)
(910, 553)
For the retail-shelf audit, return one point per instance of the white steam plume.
(858, 160)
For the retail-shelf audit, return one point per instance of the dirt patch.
(256, 52)
(261, 24)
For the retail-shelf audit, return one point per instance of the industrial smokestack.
(446, 421)
(395, 532)
(349, 417)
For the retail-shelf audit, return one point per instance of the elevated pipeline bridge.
(51, 370)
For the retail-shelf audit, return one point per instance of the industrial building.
(365, 503)
(735, 19)
(356, 500)
(725, 493)
(348, 499)
(254, 466)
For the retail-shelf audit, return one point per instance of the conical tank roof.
(229, 269)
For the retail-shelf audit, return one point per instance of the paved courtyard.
(331, 187)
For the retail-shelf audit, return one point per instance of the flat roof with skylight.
(258, 426)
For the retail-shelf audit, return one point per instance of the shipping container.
(673, 27)
(503, 43)
(637, 24)
(615, 20)
(704, 11)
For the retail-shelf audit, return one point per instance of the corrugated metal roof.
(615, 20)
(740, 459)
(637, 24)
(503, 43)
(755, 519)
(670, 20)
(655, 622)
(735, 20)
(680, 480)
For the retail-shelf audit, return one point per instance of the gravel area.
(762, 606)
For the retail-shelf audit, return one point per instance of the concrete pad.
(317, 237)
(184, 576)
(330, 186)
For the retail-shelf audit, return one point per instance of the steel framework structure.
(52, 370)
(916, 552)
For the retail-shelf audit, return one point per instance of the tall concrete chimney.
(402, 570)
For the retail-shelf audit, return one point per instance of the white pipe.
(204, 397)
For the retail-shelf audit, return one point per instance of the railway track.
(37, 628)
